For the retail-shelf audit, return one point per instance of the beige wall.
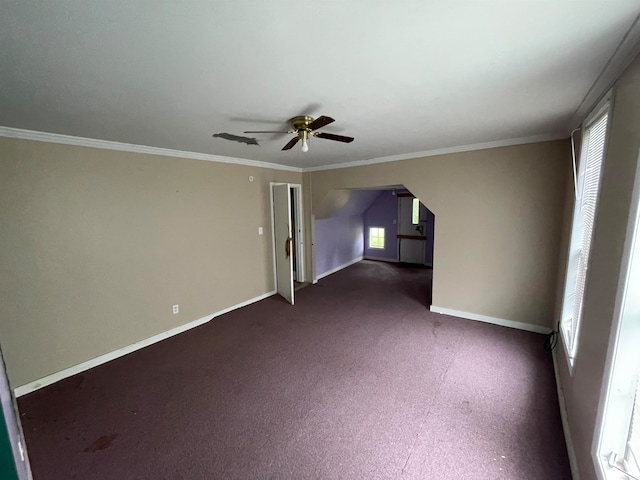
(582, 389)
(97, 246)
(498, 223)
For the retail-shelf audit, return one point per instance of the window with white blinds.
(616, 446)
(632, 455)
(588, 186)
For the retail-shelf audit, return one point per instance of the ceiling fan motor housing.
(301, 122)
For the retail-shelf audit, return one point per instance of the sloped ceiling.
(400, 77)
(359, 202)
(345, 202)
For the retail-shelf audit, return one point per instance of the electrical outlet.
(176, 309)
(260, 231)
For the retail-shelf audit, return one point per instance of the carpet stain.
(101, 443)
(436, 324)
(79, 380)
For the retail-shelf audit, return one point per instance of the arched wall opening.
(499, 219)
(382, 224)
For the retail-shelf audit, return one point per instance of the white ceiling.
(400, 77)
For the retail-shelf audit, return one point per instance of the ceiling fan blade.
(331, 136)
(291, 143)
(263, 131)
(320, 122)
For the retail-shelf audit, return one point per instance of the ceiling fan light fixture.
(304, 126)
(304, 135)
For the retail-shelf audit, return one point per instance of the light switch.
(260, 231)
(394, 221)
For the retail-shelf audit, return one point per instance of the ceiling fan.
(304, 126)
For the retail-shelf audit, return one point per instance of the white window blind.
(629, 463)
(584, 219)
(616, 444)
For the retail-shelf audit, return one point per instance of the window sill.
(606, 472)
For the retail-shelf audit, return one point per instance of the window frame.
(383, 236)
(415, 211)
(603, 107)
(615, 407)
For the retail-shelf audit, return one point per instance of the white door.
(411, 243)
(282, 239)
(13, 458)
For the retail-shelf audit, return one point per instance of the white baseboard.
(573, 461)
(94, 362)
(337, 269)
(496, 321)
(380, 259)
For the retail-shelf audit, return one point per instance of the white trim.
(297, 208)
(312, 239)
(337, 269)
(19, 133)
(11, 132)
(94, 362)
(568, 439)
(443, 151)
(529, 327)
(625, 52)
(273, 234)
(380, 259)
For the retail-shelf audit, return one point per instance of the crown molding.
(11, 132)
(623, 55)
(443, 151)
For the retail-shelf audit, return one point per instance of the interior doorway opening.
(288, 238)
(385, 224)
(415, 232)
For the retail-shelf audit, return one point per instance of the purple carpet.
(357, 381)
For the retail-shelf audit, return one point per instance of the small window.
(584, 216)
(376, 237)
(415, 213)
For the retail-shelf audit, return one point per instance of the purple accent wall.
(358, 202)
(382, 212)
(338, 240)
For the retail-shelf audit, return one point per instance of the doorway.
(288, 238)
(364, 223)
(411, 238)
(415, 233)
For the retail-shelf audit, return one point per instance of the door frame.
(13, 428)
(299, 218)
(403, 215)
